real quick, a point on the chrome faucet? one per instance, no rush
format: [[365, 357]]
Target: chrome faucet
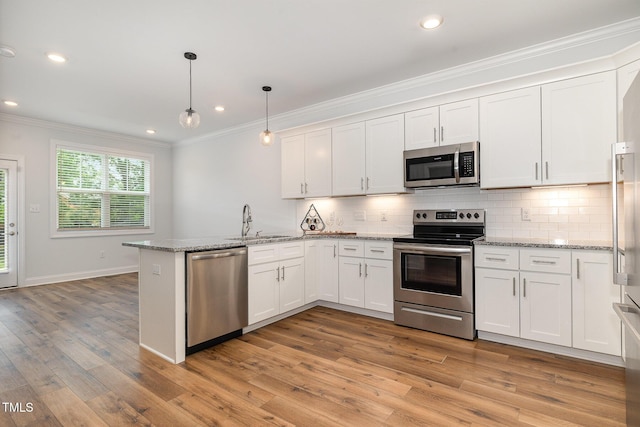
[[246, 220]]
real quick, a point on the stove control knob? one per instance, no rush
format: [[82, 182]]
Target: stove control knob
[[476, 215], [417, 215], [468, 216], [424, 215], [461, 215]]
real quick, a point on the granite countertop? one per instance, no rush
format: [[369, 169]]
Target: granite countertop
[[213, 243], [546, 243]]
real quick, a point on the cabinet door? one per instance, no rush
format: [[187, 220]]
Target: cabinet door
[[578, 126], [351, 281], [459, 122], [422, 128], [291, 284], [264, 291], [510, 135], [328, 271], [497, 301], [348, 159], [384, 160], [545, 307], [317, 164], [595, 325], [311, 270], [292, 168], [378, 285]]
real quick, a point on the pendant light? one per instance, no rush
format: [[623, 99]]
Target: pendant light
[[266, 136], [189, 118]]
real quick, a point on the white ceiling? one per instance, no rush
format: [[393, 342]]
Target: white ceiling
[[126, 70]]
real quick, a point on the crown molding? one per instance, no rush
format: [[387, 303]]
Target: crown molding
[[63, 127], [344, 106]]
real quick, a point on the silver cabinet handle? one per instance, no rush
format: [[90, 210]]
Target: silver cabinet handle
[[514, 286], [546, 169], [380, 251], [334, 251], [301, 188], [278, 274], [435, 139], [361, 183], [536, 171], [524, 288], [441, 133], [283, 272], [539, 261], [368, 180], [305, 188], [360, 270], [347, 248], [496, 259], [577, 268], [366, 269]]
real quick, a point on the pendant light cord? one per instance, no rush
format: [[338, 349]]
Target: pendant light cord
[[190, 61], [267, 108]]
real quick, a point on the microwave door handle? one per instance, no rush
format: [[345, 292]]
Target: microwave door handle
[[456, 165]]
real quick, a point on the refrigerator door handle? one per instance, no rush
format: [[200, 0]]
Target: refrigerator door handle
[[617, 149], [624, 311]]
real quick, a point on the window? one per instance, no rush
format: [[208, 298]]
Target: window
[[98, 190]]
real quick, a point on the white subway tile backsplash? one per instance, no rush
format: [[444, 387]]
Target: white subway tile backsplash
[[574, 212]]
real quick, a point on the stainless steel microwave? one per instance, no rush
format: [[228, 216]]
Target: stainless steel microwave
[[457, 164]]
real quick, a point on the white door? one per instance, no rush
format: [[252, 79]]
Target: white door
[[291, 284], [378, 285], [384, 164], [317, 164], [328, 271], [292, 169], [595, 325], [498, 301], [459, 122], [545, 307], [264, 291], [351, 281], [8, 223], [510, 139], [422, 128], [348, 159]]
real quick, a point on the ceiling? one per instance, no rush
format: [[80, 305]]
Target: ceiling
[[126, 71]]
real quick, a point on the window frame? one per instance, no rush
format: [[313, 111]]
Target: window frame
[[55, 232]]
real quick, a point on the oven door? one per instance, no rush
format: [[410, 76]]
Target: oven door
[[436, 276]]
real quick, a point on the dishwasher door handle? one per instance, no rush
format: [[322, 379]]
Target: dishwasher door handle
[[218, 255]]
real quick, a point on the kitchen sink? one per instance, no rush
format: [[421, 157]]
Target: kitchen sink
[[252, 238]]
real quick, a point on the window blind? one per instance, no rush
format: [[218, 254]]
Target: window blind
[[101, 190]]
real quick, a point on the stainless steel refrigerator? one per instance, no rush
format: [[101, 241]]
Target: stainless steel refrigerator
[[626, 219]]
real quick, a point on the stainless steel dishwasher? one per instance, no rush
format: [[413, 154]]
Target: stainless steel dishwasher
[[217, 297]]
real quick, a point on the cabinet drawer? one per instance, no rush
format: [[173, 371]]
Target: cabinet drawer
[[351, 248], [501, 257], [378, 249], [293, 249], [546, 260], [258, 254]]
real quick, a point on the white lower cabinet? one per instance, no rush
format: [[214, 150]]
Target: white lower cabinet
[[321, 270], [276, 279], [595, 325], [498, 301], [366, 274]]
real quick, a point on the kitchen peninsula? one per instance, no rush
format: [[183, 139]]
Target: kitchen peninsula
[[162, 280]]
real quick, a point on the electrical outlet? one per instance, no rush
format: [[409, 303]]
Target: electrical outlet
[[526, 214], [102, 254], [332, 216], [156, 269], [34, 208], [360, 215], [383, 216]]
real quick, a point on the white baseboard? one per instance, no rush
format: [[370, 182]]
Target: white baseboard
[[552, 348], [67, 277]]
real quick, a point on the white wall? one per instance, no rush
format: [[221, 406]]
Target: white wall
[[47, 260], [567, 213], [214, 178]]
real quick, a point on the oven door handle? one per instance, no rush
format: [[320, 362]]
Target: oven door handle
[[413, 249]]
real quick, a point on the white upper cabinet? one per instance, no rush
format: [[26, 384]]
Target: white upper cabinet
[[367, 157], [384, 160], [510, 135], [446, 124], [306, 165], [626, 75], [348, 159], [578, 127]]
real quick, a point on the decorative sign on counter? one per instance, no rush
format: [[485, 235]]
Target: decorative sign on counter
[[312, 221]]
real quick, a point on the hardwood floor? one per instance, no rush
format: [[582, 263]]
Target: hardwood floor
[[69, 356]]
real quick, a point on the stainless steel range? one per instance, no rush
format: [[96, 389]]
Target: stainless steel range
[[433, 285]]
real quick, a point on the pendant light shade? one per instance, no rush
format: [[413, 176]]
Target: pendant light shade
[[189, 118], [266, 136]]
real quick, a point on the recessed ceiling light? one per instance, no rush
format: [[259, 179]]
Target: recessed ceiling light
[[7, 51], [219, 108], [151, 131], [10, 103], [432, 21], [56, 57]]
